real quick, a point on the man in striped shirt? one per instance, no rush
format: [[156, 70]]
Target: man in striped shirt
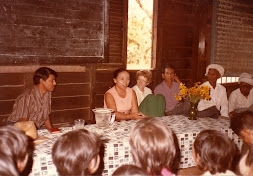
[[34, 104]]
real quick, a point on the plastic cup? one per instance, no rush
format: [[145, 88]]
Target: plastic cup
[[79, 124]]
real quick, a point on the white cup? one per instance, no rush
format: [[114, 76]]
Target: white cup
[[79, 124]]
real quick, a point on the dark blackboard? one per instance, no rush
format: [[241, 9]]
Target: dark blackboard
[[53, 32], [233, 36]]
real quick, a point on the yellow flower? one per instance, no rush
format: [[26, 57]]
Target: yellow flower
[[178, 98], [194, 93]]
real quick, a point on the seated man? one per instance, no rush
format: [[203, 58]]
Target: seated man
[[218, 104], [35, 103], [169, 88], [241, 99]]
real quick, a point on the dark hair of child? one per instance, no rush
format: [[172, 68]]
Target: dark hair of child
[[14, 144], [74, 152], [7, 165], [213, 151], [242, 121], [127, 170]]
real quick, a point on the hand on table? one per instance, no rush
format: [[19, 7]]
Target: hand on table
[[138, 115], [223, 117]]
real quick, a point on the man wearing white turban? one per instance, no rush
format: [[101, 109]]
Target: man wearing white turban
[[241, 99], [218, 104]]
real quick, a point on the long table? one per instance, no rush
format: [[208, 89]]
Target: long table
[[117, 149]]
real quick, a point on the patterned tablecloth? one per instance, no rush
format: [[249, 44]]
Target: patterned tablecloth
[[117, 148]]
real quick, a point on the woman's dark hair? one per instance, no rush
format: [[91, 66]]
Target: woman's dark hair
[[242, 121], [42, 73], [214, 151], [73, 152], [127, 170], [118, 71]]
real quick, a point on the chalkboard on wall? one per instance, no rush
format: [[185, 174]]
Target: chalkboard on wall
[[53, 32], [233, 36]]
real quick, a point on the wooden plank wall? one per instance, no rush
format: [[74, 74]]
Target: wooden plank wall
[[11, 85], [179, 36], [103, 73], [70, 100], [53, 32], [78, 92]]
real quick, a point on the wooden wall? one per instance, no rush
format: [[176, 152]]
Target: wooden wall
[[181, 25], [184, 29], [53, 32], [76, 93], [70, 100]]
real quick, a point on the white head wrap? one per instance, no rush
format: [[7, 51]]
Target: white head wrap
[[219, 68], [247, 78]]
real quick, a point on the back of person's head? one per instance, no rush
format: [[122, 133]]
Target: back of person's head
[[127, 170], [152, 145], [146, 73], [76, 153], [42, 73], [118, 71], [14, 143], [8, 166], [242, 121], [167, 65], [213, 151]]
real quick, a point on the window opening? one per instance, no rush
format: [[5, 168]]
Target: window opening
[[139, 37], [227, 80]]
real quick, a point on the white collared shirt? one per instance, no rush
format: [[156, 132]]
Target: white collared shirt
[[140, 95], [237, 100], [218, 99]]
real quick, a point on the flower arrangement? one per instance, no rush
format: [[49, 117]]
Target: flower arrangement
[[194, 93]]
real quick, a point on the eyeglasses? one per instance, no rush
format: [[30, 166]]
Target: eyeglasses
[[141, 80]]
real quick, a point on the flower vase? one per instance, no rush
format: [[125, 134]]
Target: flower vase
[[193, 111]]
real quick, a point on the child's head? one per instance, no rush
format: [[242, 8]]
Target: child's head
[[213, 151], [242, 125], [152, 145], [76, 153], [127, 170], [14, 144], [143, 78]]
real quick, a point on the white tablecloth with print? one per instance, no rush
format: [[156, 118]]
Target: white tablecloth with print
[[117, 148]]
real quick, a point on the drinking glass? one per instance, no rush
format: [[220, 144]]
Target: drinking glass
[[79, 124]]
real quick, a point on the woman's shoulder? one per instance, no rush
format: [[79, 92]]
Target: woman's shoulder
[[148, 90], [111, 90], [135, 87]]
